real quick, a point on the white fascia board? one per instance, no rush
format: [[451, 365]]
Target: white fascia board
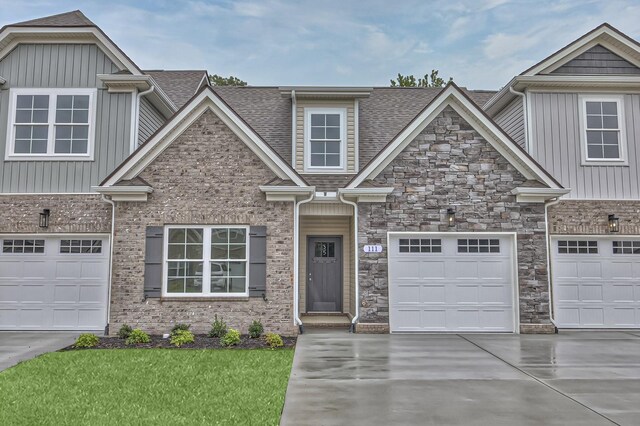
[[207, 100], [286, 193], [469, 112], [125, 193], [124, 83], [56, 35], [537, 195], [367, 195]]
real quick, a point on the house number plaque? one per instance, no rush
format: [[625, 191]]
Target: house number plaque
[[373, 248]]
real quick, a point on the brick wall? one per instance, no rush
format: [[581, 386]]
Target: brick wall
[[449, 164], [574, 217], [207, 176]]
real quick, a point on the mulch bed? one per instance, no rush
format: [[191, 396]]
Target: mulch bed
[[201, 342]]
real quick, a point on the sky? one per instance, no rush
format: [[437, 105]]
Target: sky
[[482, 44]]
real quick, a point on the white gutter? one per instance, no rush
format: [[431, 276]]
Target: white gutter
[[356, 315], [523, 95], [293, 128], [134, 139], [548, 238], [296, 259], [110, 274]]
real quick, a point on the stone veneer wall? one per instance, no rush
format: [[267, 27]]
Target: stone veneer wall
[[574, 217], [449, 164], [70, 213], [206, 176]]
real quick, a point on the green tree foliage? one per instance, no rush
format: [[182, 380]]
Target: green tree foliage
[[429, 80], [218, 80]]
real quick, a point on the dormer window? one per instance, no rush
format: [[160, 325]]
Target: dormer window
[[325, 139], [603, 130]]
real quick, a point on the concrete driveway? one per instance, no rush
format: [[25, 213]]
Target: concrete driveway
[[16, 346], [574, 378]]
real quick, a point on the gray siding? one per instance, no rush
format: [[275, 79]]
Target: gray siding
[[150, 120], [511, 119], [65, 66], [597, 60], [555, 143]]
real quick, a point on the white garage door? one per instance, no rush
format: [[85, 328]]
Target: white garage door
[[596, 282], [53, 283], [451, 283]]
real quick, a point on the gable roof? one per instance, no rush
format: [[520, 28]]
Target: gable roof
[[456, 98], [597, 60], [74, 18], [206, 99], [179, 85]]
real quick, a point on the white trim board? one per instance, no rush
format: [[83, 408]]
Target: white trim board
[[207, 100]]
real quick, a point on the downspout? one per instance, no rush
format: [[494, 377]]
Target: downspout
[[296, 258], [546, 224], [110, 274], [356, 315], [134, 139], [523, 95]]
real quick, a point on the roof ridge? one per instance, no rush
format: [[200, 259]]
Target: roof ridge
[[74, 18]]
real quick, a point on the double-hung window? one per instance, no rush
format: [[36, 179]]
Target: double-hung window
[[603, 132], [206, 261], [325, 139], [51, 124]]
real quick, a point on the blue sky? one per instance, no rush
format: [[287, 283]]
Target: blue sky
[[480, 43]]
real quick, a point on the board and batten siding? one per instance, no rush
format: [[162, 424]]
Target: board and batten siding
[[301, 104], [64, 66], [511, 119], [556, 145], [150, 120], [597, 60]]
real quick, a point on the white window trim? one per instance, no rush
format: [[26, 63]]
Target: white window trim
[[307, 140], [619, 100], [53, 96], [206, 259]]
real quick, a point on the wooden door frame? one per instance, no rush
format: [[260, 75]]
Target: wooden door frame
[[341, 261]]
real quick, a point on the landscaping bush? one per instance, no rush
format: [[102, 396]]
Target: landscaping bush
[[255, 329], [124, 331], [86, 340], [184, 327], [137, 336], [274, 340], [180, 336], [218, 328], [232, 338]]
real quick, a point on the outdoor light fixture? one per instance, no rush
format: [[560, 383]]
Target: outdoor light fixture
[[451, 217], [44, 218], [614, 223]]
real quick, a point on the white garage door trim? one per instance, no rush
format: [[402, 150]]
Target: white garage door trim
[[56, 238], [514, 271], [605, 251]]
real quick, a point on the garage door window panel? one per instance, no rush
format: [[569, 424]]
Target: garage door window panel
[[420, 245], [23, 246], [80, 246], [479, 245], [577, 247], [626, 247]]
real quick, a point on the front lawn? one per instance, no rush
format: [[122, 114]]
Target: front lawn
[[147, 386]]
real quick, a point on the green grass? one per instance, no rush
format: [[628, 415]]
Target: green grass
[[147, 386]]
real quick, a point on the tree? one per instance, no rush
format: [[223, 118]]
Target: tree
[[218, 80], [429, 80]]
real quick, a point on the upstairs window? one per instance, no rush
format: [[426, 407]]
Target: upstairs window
[[324, 139], [50, 124], [603, 130]]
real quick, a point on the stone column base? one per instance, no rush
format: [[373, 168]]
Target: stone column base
[[538, 329], [372, 328]]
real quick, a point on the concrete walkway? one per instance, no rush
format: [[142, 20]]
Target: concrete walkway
[[16, 346], [574, 378]]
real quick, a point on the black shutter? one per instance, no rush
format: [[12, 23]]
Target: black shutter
[[153, 261], [258, 261]]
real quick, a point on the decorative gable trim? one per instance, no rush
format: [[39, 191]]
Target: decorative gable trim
[[452, 96], [205, 100]]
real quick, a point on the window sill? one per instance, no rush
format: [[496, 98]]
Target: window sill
[[599, 163], [205, 299], [47, 158]]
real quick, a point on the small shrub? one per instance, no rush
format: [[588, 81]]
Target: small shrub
[[180, 336], [86, 340], [255, 329], [124, 331], [179, 326], [137, 336], [218, 328], [273, 340], [232, 338]]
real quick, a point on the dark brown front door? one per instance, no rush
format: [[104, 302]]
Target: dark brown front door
[[324, 274]]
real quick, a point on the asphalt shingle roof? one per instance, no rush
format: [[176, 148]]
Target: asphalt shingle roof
[[179, 85], [67, 19]]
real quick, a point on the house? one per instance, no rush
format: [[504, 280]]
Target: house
[[150, 197]]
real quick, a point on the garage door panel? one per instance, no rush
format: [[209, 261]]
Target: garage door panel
[[432, 270], [432, 294], [494, 294], [590, 270], [591, 293], [492, 270], [623, 317], [68, 270], [93, 270], [10, 269], [566, 269], [622, 293], [567, 293], [466, 294], [621, 270], [31, 318], [467, 269]]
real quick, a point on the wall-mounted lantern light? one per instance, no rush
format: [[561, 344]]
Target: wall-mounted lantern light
[[44, 218], [451, 217], [614, 223]]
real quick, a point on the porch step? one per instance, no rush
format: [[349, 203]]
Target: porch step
[[326, 320]]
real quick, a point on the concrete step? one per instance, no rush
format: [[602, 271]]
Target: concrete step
[[324, 320]]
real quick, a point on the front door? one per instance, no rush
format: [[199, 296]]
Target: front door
[[324, 274]]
